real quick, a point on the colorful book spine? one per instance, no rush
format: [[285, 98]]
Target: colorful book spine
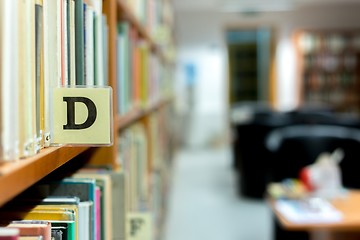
[[9, 233]]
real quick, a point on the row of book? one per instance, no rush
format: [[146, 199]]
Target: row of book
[[155, 15], [142, 78], [97, 203], [100, 203], [144, 153], [318, 81], [333, 42], [85, 205], [45, 44], [330, 62]]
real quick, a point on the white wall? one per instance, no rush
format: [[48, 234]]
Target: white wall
[[200, 38]]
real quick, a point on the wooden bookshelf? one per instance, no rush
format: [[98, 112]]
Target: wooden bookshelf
[[17, 176], [328, 68]]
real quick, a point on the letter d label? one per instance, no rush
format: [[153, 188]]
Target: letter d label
[[82, 116]]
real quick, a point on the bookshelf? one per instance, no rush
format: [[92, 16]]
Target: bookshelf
[[19, 175], [15, 177], [329, 68]]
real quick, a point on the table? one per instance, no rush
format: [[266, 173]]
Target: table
[[347, 229]]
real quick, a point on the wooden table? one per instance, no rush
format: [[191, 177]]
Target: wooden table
[[347, 229]]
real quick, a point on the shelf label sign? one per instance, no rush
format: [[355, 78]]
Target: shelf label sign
[[139, 226], [82, 116]]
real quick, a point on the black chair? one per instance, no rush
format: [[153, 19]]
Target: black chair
[[242, 115], [295, 147], [252, 153]]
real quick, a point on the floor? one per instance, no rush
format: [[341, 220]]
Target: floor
[[204, 204]]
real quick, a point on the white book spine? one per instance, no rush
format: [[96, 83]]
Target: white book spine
[[99, 68], [9, 81], [65, 42], [72, 44], [89, 48]]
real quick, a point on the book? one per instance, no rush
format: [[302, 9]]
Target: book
[[89, 45], [302, 211], [39, 76], [52, 60], [105, 50], [79, 41], [9, 92], [144, 74], [135, 68], [56, 203], [98, 44], [64, 43], [26, 100], [84, 189], [114, 196], [58, 218], [85, 224], [123, 68], [104, 183], [32, 228], [70, 204], [31, 90], [9, 233], [30, 238], [98, 213], [72, 43]]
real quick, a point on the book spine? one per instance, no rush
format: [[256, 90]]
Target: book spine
[[98, 44], [38, 73], [9, 81], [72, 41], [79, 41], [89, 46]]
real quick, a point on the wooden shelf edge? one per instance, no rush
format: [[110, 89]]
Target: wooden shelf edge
[[17, 176], [139, 113]]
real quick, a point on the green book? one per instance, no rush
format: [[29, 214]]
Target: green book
[[79, 41], [63, 230], [38, 72]]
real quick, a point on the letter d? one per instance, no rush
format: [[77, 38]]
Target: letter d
[[92, 113]]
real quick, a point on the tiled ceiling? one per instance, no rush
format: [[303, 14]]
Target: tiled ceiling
[[250, 5]]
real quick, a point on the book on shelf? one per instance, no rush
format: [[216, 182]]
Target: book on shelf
[[53, 204], [135, 166], [32, 228], [31, 238], [26, 78], [9, 233], [123, 68], [89, 44], [79, 42], [98, 213], [42, 49], [99, 49], [113, 195], [39, 76], [103, 182], [63, 219], [84, 189], [8, 87]]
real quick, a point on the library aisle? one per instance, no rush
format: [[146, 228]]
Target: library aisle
[[203, 203]]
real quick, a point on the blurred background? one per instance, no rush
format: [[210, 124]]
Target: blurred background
[[246, 71]]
